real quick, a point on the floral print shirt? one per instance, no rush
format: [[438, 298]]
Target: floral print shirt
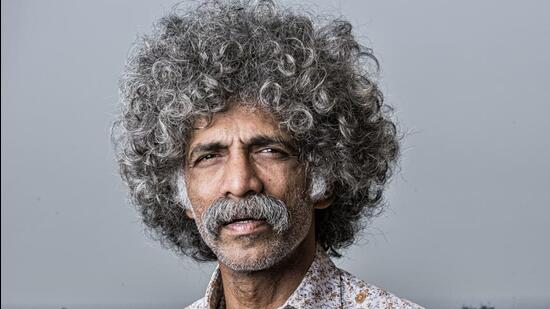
[[323, 286]]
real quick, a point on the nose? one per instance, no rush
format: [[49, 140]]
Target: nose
[[240, 178]]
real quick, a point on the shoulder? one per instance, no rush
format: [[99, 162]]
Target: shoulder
[[199, 304], [356, 293]]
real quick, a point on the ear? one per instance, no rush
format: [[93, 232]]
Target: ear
[[324, 202], [189, 213]]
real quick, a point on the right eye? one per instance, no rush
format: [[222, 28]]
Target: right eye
[[205, 160], [206, 157]]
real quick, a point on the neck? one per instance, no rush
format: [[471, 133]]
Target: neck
[[268, 288]]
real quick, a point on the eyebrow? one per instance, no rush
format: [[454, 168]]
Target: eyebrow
[[255, 141]]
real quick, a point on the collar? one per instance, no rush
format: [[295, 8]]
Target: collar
[[321, 285]]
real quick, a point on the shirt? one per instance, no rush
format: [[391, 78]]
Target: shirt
[[323, 286]]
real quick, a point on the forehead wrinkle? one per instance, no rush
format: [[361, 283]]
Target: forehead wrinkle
[[254, 140], [224, 128]]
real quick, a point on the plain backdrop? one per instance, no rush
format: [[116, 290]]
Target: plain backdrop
[[468, 214]]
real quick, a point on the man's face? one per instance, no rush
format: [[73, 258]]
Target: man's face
[[243, 153]]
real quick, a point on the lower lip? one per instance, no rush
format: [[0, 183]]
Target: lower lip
[[245, 227]]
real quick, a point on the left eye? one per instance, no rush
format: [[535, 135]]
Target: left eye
[[270, 150], [274, 152]]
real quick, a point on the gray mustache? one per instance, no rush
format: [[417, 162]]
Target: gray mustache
[[257, 207]]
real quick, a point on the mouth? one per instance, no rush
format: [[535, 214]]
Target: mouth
[[241, 220], [245, 226]]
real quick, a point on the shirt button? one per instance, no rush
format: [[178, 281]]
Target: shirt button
[[360, 297]]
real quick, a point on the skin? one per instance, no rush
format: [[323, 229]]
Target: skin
[[243, 151]]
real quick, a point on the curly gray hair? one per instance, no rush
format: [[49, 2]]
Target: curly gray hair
[[316, 78]]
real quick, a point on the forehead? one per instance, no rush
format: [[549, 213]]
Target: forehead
[[237, 122]]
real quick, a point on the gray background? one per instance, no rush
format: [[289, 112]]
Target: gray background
[[468, 217]]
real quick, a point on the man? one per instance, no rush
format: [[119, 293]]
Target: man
[[254, 137]]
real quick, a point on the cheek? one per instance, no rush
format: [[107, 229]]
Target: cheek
[[203, 184], [279, 181], [288, 184], [199, 197]]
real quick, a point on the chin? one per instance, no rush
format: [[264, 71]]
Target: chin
[[263, 255], [259, 251]]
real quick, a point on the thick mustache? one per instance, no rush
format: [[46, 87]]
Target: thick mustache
[[255, 207]]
